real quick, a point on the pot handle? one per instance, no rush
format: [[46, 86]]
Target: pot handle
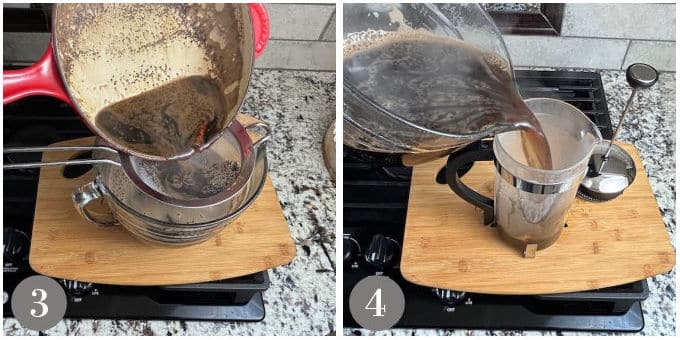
[[260, 21], [41, 78], [263, 138], [83, 196], [458, 164]]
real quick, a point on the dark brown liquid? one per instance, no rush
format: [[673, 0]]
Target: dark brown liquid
[[445, 85], [167, 120]]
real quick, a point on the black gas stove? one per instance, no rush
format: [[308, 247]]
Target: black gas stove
[[376, 190], [37, 121]]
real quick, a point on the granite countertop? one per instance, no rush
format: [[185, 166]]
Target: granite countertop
[[650, 126], [299, 106]]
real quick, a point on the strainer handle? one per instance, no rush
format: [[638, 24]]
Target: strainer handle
[[35, 149], [83, 196], [264, 138]]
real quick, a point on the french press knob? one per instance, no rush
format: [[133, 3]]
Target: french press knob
[[611, 169]]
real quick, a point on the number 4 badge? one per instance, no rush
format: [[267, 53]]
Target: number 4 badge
[[376, 303]]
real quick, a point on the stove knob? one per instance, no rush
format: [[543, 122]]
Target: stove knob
[[15, 246], [76, 288], [383, 252], [351, 250], [450, 297]]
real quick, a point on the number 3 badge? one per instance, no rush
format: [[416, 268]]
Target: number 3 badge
[[38, 303]]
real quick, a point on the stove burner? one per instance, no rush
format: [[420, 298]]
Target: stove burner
[[365, 157], [33, 135], [37, 135], [403, 174], [75, 171]]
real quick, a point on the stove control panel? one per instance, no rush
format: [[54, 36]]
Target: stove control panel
[[374, 253]]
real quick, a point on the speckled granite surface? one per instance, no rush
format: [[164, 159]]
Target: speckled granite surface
[[650, 126], [508, 7], [301, 299]]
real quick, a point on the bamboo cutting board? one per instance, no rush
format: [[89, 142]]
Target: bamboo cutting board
[[605, 244], [64, 245]]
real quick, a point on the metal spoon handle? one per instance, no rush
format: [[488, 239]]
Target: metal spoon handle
[[638, 76], [605, 156]]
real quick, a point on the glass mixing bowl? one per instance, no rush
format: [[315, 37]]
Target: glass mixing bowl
[[173, 218]]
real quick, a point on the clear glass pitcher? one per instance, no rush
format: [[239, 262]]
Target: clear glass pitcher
[[415, 113], [530, 205]]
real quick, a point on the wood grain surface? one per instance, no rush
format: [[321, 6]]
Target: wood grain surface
[[605, 244], [65, 246]]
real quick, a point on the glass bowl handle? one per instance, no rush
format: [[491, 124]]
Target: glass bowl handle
[[83, 196], [263, 137]]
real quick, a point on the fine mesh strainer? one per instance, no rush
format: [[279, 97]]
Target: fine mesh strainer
[[154, 221], [189, 191], [207, 178], [196, 190], [161, 208]]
